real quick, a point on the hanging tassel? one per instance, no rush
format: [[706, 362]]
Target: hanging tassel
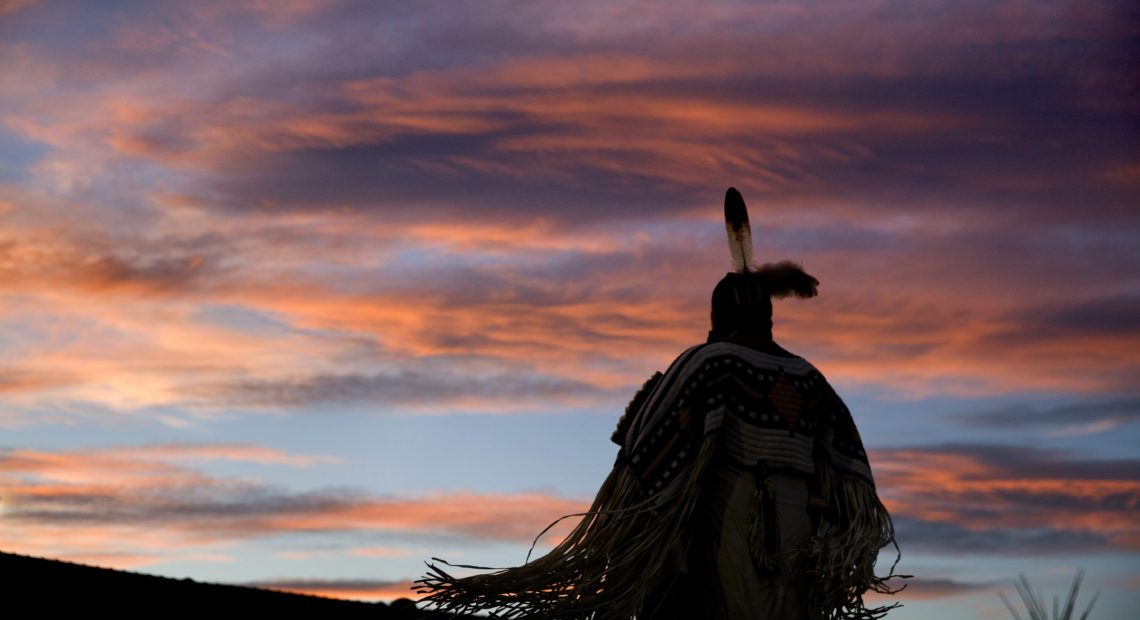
[[764, 523]]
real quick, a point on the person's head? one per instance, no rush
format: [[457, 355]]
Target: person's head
[[742, 302], [741, 306]]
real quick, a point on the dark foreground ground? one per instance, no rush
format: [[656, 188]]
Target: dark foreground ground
[[52, 588]]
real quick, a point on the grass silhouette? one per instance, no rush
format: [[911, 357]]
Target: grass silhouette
[[1035, 606]]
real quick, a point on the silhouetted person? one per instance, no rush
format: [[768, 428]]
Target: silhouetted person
[[741, 489]]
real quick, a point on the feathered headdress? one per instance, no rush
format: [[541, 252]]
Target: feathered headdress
[[742, 300]]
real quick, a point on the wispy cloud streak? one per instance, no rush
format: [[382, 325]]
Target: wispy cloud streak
[[1078, 418], [995, 498], [945, 499], [135, 505]]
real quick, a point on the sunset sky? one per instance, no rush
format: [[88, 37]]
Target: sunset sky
[[301, 294]]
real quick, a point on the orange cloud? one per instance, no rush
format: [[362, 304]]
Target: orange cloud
[[516, 517], [156, 343], [11, 6], [990, 488], [231, 452]]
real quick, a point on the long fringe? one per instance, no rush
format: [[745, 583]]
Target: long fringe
[[846, 546], [620, 550], [604, 568]]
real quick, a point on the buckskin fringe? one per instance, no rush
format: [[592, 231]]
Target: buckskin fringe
[[605, 568], [845, 548]]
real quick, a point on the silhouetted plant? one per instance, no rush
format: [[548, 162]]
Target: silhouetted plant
[[1035, 607]]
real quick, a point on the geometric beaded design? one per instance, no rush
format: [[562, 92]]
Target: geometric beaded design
[[786, 402]]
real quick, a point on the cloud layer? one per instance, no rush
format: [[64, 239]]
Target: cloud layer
[[1009, 499], [137, 505], [130, 506], [205, 200]]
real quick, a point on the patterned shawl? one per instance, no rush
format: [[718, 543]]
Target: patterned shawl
[[774, 412]]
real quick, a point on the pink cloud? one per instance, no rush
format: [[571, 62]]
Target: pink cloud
[[988, 488], [11, 6], [380, 552], [154, 347]]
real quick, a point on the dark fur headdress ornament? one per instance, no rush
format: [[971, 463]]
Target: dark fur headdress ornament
[[742, 300]]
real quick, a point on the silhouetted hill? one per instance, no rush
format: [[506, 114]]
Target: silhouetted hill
[[56, 587]]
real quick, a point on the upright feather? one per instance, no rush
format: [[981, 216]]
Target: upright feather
[[739, 231]]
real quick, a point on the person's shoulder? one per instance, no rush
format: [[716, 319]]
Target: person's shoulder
[[771, 350], [767, 356], [688, 357]]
